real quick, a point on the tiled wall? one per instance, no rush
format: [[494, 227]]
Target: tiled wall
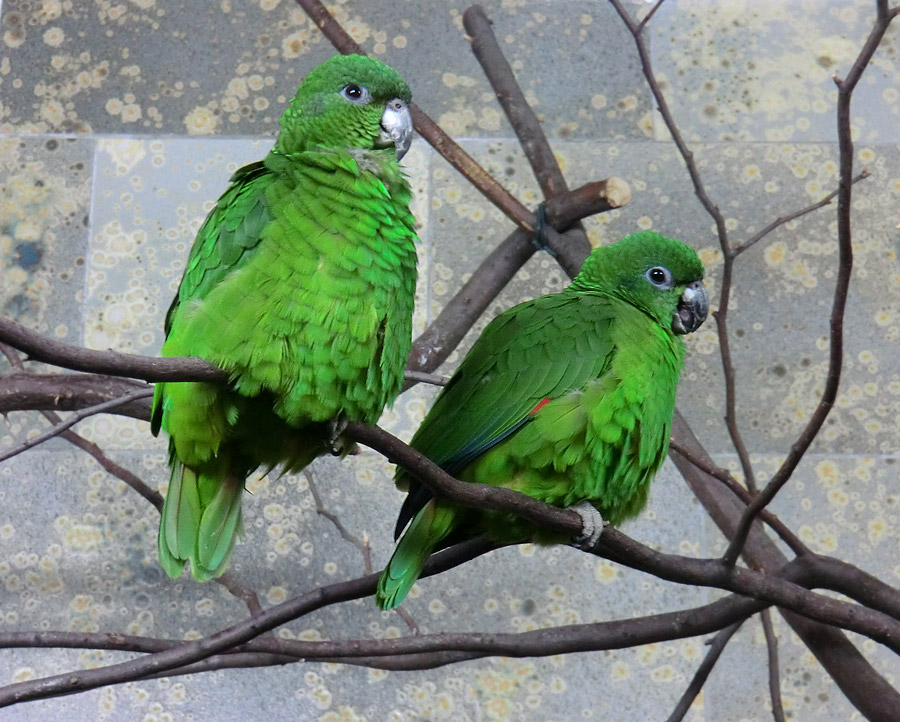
[[102, 189]]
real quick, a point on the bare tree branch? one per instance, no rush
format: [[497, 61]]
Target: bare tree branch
[[73, 419], [864, 686], [190, 652], [842, 285], [781, 220], [774, 675]]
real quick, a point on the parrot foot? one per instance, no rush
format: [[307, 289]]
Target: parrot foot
[[592, 526], [336, 444], [539, 239]]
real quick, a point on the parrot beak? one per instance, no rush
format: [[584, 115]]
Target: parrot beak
[[693, 306], [396, 127]]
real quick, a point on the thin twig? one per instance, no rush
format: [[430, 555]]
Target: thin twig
[[347, 535], [361, 544], [774, 675], [842, 285], [781, 220], [73, 419], [715, 213], [716, 647], [706, 465], [649, 15], [110, 466]]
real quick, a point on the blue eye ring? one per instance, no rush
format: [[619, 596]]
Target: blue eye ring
[[660, 277], [356, 94]]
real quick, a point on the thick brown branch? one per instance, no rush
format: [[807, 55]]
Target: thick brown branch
[[68, 392], [774, 675], [57, 353], [522, 118]]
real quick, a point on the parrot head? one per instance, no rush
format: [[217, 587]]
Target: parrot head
[[349, 101], [661, 276]]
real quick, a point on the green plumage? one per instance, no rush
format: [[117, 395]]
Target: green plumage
[[300, 284], [567, 398]]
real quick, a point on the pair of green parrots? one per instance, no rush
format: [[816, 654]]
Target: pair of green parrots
[[300, 285]]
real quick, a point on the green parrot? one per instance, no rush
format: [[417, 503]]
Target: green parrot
[[567, 398], [300, 284]]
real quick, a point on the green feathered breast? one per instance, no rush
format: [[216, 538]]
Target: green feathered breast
[[301, 285], [567, 398]]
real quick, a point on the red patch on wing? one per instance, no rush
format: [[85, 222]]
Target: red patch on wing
[[540, 405]]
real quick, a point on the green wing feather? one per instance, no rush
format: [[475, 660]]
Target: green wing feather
[[232, 229], [540, 349], [567, 398]]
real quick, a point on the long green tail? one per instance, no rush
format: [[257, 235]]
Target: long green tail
[[424, 533], [201, 520]]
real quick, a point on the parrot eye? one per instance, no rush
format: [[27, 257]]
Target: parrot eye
[[660, 277], [356, 94]]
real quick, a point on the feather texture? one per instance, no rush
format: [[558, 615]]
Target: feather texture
[[567, 398], [300, 284]]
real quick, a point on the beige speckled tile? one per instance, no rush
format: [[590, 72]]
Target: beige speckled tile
[[762, 71], [138, 68], [44, 214]]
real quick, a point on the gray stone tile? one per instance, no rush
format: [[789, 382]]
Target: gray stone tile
[[44, 214], [132, 68], [44, 210], [763, 71]]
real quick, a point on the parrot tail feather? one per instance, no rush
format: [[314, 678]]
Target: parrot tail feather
[[201, 520], [427, 529], [220, 527]]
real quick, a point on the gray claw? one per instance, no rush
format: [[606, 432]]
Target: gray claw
[[336, 445], [591, 526]]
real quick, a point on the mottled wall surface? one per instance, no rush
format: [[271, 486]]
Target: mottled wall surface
[[102, 190]]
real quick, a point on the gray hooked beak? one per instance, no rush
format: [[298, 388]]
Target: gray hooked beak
[[396, 127], [693, 306]]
